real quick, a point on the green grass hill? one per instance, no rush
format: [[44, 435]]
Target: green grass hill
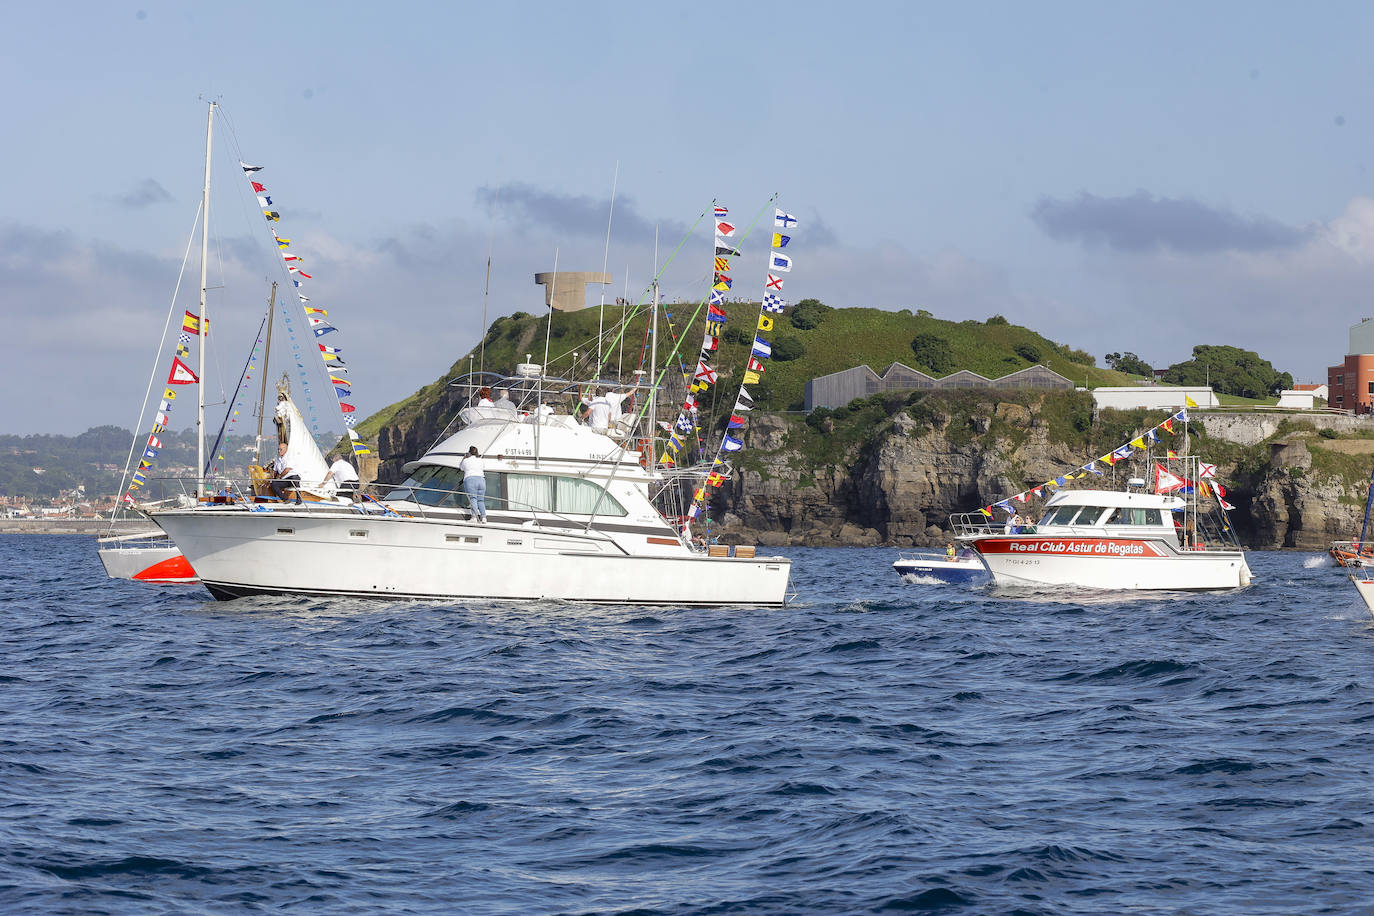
[[811, 340]]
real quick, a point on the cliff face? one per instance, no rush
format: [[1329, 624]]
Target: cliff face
[[897, 489], [900, 488], [895, 480], [1293, 507]]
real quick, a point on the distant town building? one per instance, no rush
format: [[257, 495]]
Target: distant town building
[[1298, 399], [1154, 397], [1318, 391], [839, 388], [1351, 384]]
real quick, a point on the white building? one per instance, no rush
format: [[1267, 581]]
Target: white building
[[1154, 397]]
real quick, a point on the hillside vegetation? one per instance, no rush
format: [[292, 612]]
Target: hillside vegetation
[[819, 340]]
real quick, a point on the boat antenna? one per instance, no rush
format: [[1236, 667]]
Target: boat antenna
[[266, 363], [203, 315], [486, 289], [605, 256], [548, 330]]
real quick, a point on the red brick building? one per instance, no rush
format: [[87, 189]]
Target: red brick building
[[1350, 386]]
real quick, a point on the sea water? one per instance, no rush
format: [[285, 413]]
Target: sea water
[[876, 746]]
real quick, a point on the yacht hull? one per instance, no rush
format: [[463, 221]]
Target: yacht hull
[[1109, 563], [239, 553]]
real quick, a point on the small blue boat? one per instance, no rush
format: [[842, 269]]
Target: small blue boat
[[964, 568]]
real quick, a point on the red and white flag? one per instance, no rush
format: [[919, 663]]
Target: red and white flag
[[1206, 470], [181, 374], [1166, 482]]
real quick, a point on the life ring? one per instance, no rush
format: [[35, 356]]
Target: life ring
[[644, 452]]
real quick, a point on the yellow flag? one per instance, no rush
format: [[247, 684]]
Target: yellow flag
[[751, 377], [169, 394], [722, 264], [1189, 401], [765, 323], [1138, 442]]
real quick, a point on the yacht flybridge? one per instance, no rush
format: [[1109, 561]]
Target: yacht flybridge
[[571, 515]]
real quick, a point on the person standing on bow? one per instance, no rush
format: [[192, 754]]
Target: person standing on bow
[[475, 483]]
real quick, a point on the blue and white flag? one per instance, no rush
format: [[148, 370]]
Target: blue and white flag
[[731, 444], [783, 220], [779, 262], [762, 348], [717, 297], [772, 303]]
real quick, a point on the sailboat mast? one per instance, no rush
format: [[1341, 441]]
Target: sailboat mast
[[266, 363], [203, 317], [653, 380]]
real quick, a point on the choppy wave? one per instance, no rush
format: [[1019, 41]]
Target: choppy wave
[[876, 747]]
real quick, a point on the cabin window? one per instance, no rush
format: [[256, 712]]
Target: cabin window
[[430, 486], [575, 496], [1060, 515], [564, 495], [529, 492], [1134, 516], [1087, 515]]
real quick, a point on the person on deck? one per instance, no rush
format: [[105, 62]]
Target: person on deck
[[345, 478], [484, 397], [503, 399], [605, 409], [283, 478], [475, 483]]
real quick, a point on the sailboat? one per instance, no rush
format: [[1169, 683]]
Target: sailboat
[[154, 556]]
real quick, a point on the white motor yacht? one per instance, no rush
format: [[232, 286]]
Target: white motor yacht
[[1112, 540], [570, 516]]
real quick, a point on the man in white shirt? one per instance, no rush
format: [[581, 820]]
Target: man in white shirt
[[604, 409], [475, 483], [344, 476], [283, 478]]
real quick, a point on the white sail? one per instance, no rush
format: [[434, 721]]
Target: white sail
[[303, 456]]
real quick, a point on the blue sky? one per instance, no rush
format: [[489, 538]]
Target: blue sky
[[1118, 178]]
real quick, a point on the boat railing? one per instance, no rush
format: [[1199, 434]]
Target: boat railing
[[972, 524]]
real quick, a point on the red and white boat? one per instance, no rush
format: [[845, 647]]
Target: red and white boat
[[1111, 540], [145, 556]]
